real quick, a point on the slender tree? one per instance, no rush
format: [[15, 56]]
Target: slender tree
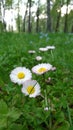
[[24, 19], [18, 17], [72, 29], [49, 28], [58, 16], [37, 15], [66, 17], [58, 21], [9, 5], [0, 18], [29, 19], [0, 12], [2, 2]]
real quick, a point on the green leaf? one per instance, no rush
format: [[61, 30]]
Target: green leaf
[[14, 114], [39, 128], [64, 126], [60, 117], [3, 123], [15, 127], [1, 82], [71, 128], [3, 114], [3, 107]]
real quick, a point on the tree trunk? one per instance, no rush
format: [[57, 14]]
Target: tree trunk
[[2, 16], [66, 19], [58, 22], [18, 18], [37, 22], [49, 29], [72, 29], [25, 18], [0, 11], [19, 23], [65, 24], [29, 19]]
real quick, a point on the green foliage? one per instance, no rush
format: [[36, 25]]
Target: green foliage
[[7, 115], [2, 27], [3, 108], [19, 23], [8, 2], [71, 128], [19, 112]]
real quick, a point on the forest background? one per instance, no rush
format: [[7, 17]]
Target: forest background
[[36, 15]]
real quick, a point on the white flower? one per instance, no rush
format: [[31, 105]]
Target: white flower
[[20, 75], [50, 47], [46, 109], [31, 52], [41, 68], [38, 58], [31, 88], [43, 49]]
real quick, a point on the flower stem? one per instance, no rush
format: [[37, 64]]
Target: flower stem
[[52, 54], [46, 102], [69, 115]]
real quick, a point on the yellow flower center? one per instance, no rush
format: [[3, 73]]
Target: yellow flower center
[[42, 70], [30, 89], [21, 75]]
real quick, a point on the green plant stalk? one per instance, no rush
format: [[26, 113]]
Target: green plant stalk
[[50, 117], [69, 115], [7, 123], [50, 121], [46, 104], [52, 54]]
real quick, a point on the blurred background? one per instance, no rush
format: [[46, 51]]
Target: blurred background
[[36, 16]]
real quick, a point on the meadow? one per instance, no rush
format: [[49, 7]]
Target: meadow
[[52, 109]]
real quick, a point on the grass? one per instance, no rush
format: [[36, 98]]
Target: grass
[[20, 112]]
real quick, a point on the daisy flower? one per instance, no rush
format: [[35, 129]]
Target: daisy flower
[[31, 88], [43, 49], [46, 109], [31, 52], [41, 68], [38, 58], [20, 75], [50, 47]]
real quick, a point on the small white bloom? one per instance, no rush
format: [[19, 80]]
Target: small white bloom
[[31, 52], [50, 47], [31, 88], [41, 68], [38, 58], [20, 75], [43, 49], [46, 109], [48, 80]]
